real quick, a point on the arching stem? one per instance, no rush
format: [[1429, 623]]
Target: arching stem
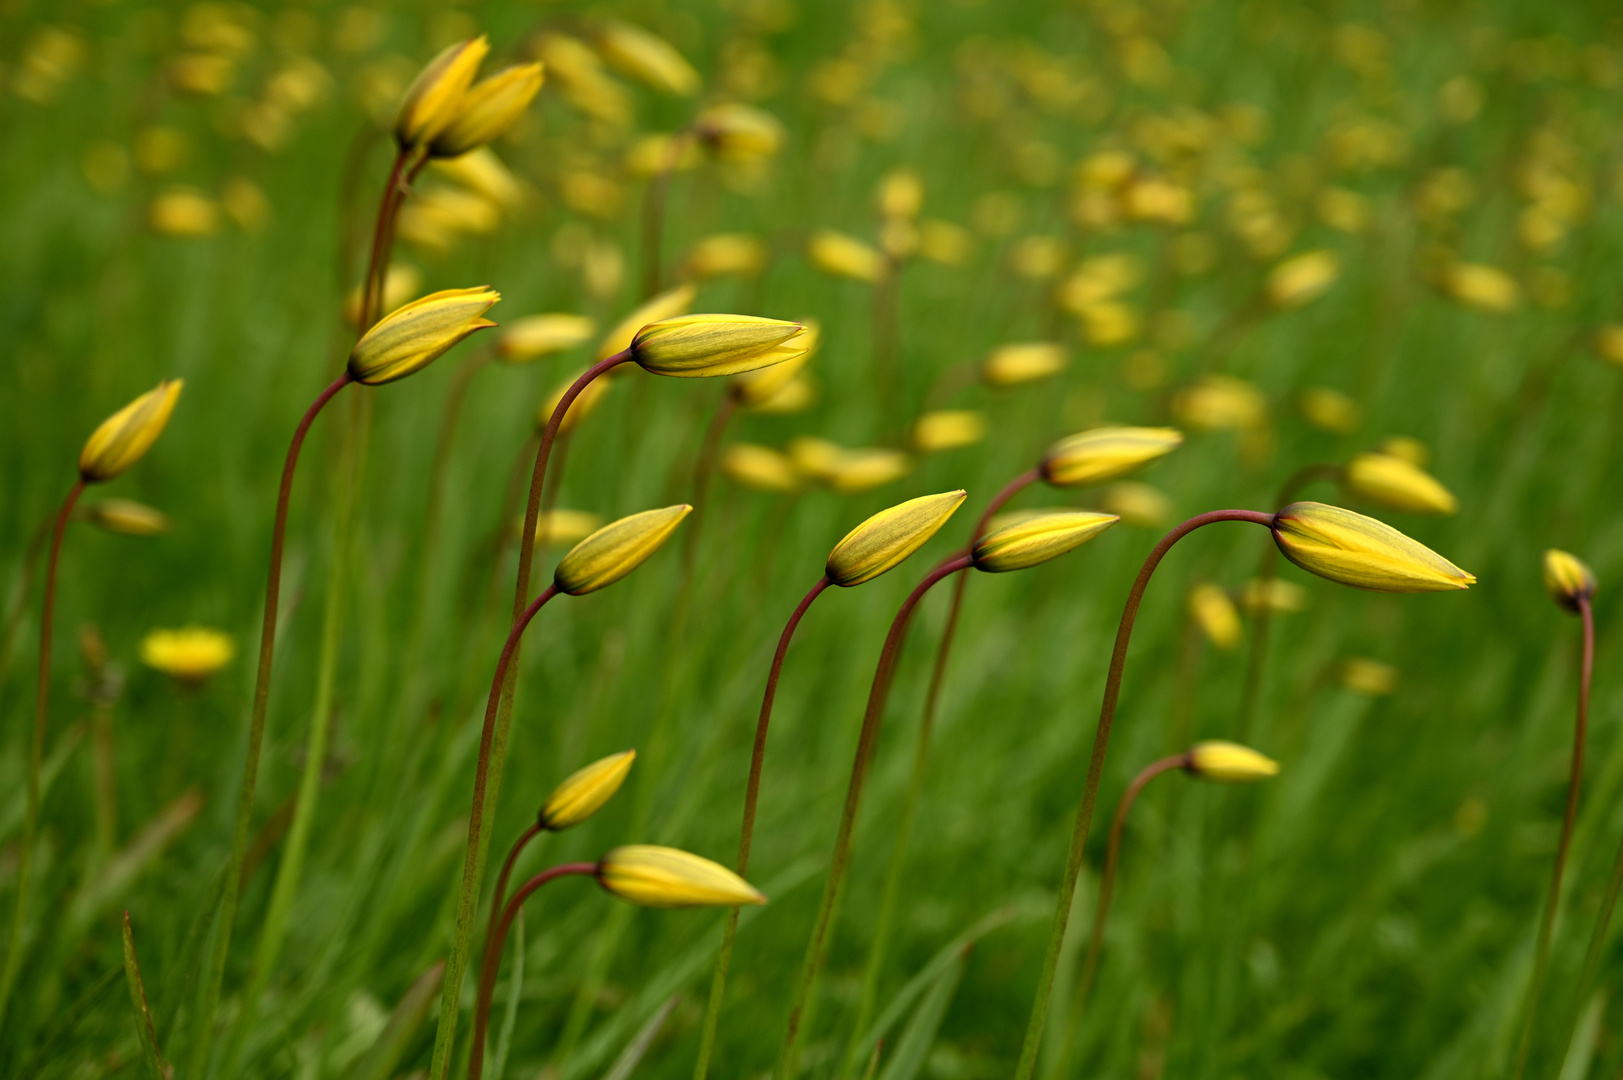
[[498, 897], [1096, 764]]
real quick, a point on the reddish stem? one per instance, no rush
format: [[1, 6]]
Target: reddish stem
[[382, 238], [507, 871]]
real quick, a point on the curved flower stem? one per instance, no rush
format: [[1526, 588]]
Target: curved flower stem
[[752, 790], [500, 893], [873, 717], [932, 701], [1541, 952], [215, 974], [486, 786], [1096, 764], [703, 468], [1107, 883], [493, 956], [1267, 569], [382, 240], [36, 749]]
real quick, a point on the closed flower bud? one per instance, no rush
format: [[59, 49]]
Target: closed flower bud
[[1567, 579], [648, 59], [1092, 457], [482, 172], [1486, 288], [815, 457], [795, 396], [410, 338], [615, 550], [1215, 614], [583, 406], [883, 541], [189, 655], [756, 388], [1272, 596], [705, 345], [663, 877], [583, 793], [127, 517], [123, 438], [1230, 763], [845, 256], [666, 305], [1406, 448], [1609, 343], [1301, 279], [556, 528], [900, 194], [948, 429], [760, 468], [535, 336], [1144, 505], [1036, 540], [723, 254], [1369, 677], [945, 243], [1220, 403], [867, 468], [1330, 410], [1011, 365], [432, 100], [487, 109], [1393, 482], [1359, 551], [738, 133]]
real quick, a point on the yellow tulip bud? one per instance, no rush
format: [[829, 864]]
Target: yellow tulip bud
[[796, 395], [615, 550], [1035, 540], [1407, 449], [432, 100], [585, 403], [885, 540], [1301, 279], [1486, 288], [1144, 505], [410, 338], [867, 468], [692, 346], [1215, 614], [1567, 579], [723, 254], [1369, 677], [123, 438], [945, 243], [486, 110], [901, 194], [1393, 482], [189, 655], [663, 877], [535, 336], [1330, 410], [666, 305], [760, 468], [738, 133], [648, 59], [555, 528], [756, 388], [845, 256], [1230, 763], [1609, 343], [184, 212], [815, 457], [1272, 595], [659, 154], [1092, 457], [584, 792], [1011, 365], [1356, 550], [127, 517], [948, 429]]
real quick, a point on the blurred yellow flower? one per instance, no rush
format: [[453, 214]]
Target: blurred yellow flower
[[1369, 677], [866, 468], [184, 212], [557, 527], [1220, 403], [1144, 505], [534, 336], [1230, 763], [649, 59], [739, 133], [1273, 596], [844, 255], [487, 110], [127, 517], [188, 655], [1567, 578], [948, 429], [663, 877], [760, 468], [1301, 279], [435, 96], [1023, 362], [126, 436], [721, 254], [1394, 482], [584, 792], [1214, 612], [666, 305], [1328, 409], [1486, 288]]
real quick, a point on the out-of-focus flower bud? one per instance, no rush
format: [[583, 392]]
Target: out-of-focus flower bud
[[1330, 410], [411, 337], [945, 243], [738, 133], [867, 468], [666, 305], [535, 336], [126, 436], [1609, 343], [1035, 540], [1301, 279], [1343, 546], [1567, 579], [663, 877], [900, 194], [1220, 403], [795, 396], [725, 253], [556, 528], [815, 457], [1230, 763], [1215, 614], [1144, 505], [760, 468], [844, 255], [184, 212], [1368, 677], [948, 429], [584, 792], [1011, 365], [883, 541], [1394, 482], [615, 550], [487, 110], [127, 517], [1092, 457], [188, 655], [649, 59], [1486, 288], [434, 97], [1273, 596]]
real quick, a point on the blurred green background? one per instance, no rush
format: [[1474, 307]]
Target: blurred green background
[[1369, 913]]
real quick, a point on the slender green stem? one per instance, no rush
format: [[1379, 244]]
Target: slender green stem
[[817, 948], [1107, 883], [19, 600], [493, 743], [36, 750], [1096, 764], [893, 875], [703, 468], [752, 790], [214, 976], [493, 956], [1546, 926]]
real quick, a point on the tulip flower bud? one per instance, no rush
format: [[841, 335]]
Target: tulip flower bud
[[1092, 457], [845, 256], [1609, 343], [1144, 505], [584, 792], [1394, 482], [650, 60], [666, 305], [1215, 614], [756, 388], [1301, 279], [948, 429], [697, 346], [615, 550], [486, 110], [1355, 550], [1485, 288], [795, 396], [1273, 596], [760, 468], [1230, 763], [1407, 448], [885, 540], [663, 877], [535, 336], [1011, 365], [725, 253], [901, 194], [1567, 579], [1369, 677], [410, 338], [189, 655], [738, 133], [434, 97], [1035, 540], [1330, 410], [1220, 403], [127, 517], [555, 528], [866, 468], [123, 438]]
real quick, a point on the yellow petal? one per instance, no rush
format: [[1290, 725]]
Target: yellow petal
[[487, 109], [432, 100], [617, 549], [666, 305], [663, 877], [1011, 365], [410, 338], [1035, 540], [1396, 483], [190, 654], [126, 436], [1356, 550], [584, 792], [883, 541]]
